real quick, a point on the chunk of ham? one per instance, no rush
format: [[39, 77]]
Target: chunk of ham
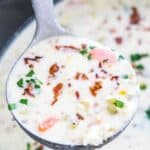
[[104, 55], [48, 123]]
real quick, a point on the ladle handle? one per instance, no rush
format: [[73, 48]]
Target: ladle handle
[[45, 19]]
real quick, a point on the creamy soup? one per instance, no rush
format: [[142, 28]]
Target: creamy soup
[[111, 22], [72, 91]]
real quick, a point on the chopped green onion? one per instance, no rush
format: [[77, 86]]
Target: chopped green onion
[[92, 47], [37, 86], [30, 73], [20, 83], [119, 104], [121, 57], [143, 86], [33, 80], [148, 113], [89, 57], [137, 56], [11, 106], [113, 49], [139, 67], [28, 146], [125, 76], [28, 81], [24, 101], [40, 82], [84, 52]]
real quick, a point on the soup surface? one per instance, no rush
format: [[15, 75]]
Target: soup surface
[[72, 91]]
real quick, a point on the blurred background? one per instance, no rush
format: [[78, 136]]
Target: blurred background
[[12, 14]]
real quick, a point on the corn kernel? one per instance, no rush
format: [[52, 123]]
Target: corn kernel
[[122, 92]]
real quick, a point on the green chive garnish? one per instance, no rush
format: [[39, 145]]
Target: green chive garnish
[[33, 80], [89, 57], [20, 83], [24, 101], [30, 73], [125, 76], [119, 104], [148, 113], [137, 57], [28, 146], [92, 47], [11, 106], [37, 86], [83, 52], [121, 57], [143, 86], [139, 67]]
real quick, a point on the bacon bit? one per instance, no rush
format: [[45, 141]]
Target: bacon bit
[[96, 105], [48, 83], [135, 16], [77, 94], [83, 46], [91, 70], [119, 18], [118, 40], [114, 78], [45, 125], [36, 59], [139, 41], [82, 76], [97, 76], [128, 28], [53, 69], [100, 65], [41, 147], [97, 86], [80, 117], [105, 21], [28, 90], [31, 66], [69, 84], [58, 47], [147, 29], [62, 66], [104, 71], [112, 30], [57, 91]]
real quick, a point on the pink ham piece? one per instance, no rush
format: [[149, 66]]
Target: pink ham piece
[[104, 55]]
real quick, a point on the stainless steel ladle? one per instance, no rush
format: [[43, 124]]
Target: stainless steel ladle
[[48, 27]]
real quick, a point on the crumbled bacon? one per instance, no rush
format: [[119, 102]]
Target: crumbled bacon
[[118, 40], [135, 16], [146, 28], [113, 30], [28, 59], [114, 78], [77, 94], [81, 76], [80, 117], [53, 69], [83, 46], [57, 91], [31, 66], [69, 84], [100, 65], [97, 86], [58, 47], [119, 18], [104, 71], [97, 76], [28, 90]]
